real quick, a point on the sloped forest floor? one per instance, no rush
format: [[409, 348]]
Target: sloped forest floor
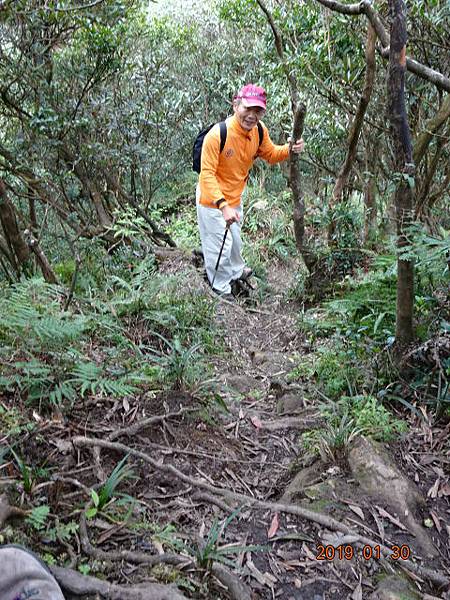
[[227, 504]]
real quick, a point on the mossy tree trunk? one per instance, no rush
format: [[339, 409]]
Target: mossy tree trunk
[[403, 167]]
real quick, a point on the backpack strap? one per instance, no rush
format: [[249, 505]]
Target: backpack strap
[[260, 133], [223, 134]]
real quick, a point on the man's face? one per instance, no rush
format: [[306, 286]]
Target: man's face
[[248, 117]]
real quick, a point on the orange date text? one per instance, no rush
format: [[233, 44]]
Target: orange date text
[[347, 552]]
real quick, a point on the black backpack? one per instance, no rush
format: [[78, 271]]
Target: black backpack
[[198, 144]]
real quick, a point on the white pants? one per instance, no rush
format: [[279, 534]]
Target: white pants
[[212, 230]]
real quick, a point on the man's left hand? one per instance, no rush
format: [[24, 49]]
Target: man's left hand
[[297, 146]]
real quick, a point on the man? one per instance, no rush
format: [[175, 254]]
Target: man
[[222, 180]]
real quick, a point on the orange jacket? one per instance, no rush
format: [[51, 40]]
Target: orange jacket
[[224, 174]]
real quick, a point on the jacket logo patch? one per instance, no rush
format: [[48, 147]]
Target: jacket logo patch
[[229, 153]]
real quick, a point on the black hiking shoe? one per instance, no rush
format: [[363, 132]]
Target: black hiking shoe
[[198, 259], [246, 273], [240, 288]]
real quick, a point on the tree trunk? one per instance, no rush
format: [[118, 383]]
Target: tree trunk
[[370, 214], [299, 111], [366, 7], [18, 248], [403, 167], [423, 190], [89, 187], [294, 179], [43, 262], [32, 210], [355, 129], [297, 192]]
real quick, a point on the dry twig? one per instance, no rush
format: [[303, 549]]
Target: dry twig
[[136, 427]]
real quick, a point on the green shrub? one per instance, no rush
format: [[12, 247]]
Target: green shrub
[[335, 371], [366, 309], [350, 416], [45, 351], [370, 416]]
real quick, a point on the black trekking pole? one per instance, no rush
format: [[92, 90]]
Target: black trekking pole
[[220, 254]]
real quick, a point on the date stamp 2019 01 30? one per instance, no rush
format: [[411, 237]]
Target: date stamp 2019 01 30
[[347, 552]]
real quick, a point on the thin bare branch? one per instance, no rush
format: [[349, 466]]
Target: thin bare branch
[[365, 7], [293, 88], [78, 7], [431, 127], [358, 121]]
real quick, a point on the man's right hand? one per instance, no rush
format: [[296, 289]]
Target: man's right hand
[[230, 215]]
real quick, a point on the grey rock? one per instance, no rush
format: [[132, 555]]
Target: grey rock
[[289, 403], [242, 384], [304, 478], [380, 479]]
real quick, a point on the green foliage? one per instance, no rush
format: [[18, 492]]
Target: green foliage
[[128, 224], [333, 440], [360, 327], [121, 472], [174, 208], [88, 377], [28, 474], [39, 382], [348, 417], [430, 254], [370, 416], [45, 351], [181, 367], [106, 494], [84, 568], [210, 550], [348, 217], [335, 370], [61, 532], [366, 308], [177, 311], [38, 517], [12, 422], [267, 230], [31, 310]]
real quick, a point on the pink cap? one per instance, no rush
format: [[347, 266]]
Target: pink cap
[[252, 95]]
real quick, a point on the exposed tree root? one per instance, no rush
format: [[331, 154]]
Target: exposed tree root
[[136, 427], [139, 558], [300, 423], [83, 585], [237, 589], [435, 577], [7, 511], [207, 498]]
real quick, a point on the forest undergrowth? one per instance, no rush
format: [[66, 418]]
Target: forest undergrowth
[[152, 433]]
